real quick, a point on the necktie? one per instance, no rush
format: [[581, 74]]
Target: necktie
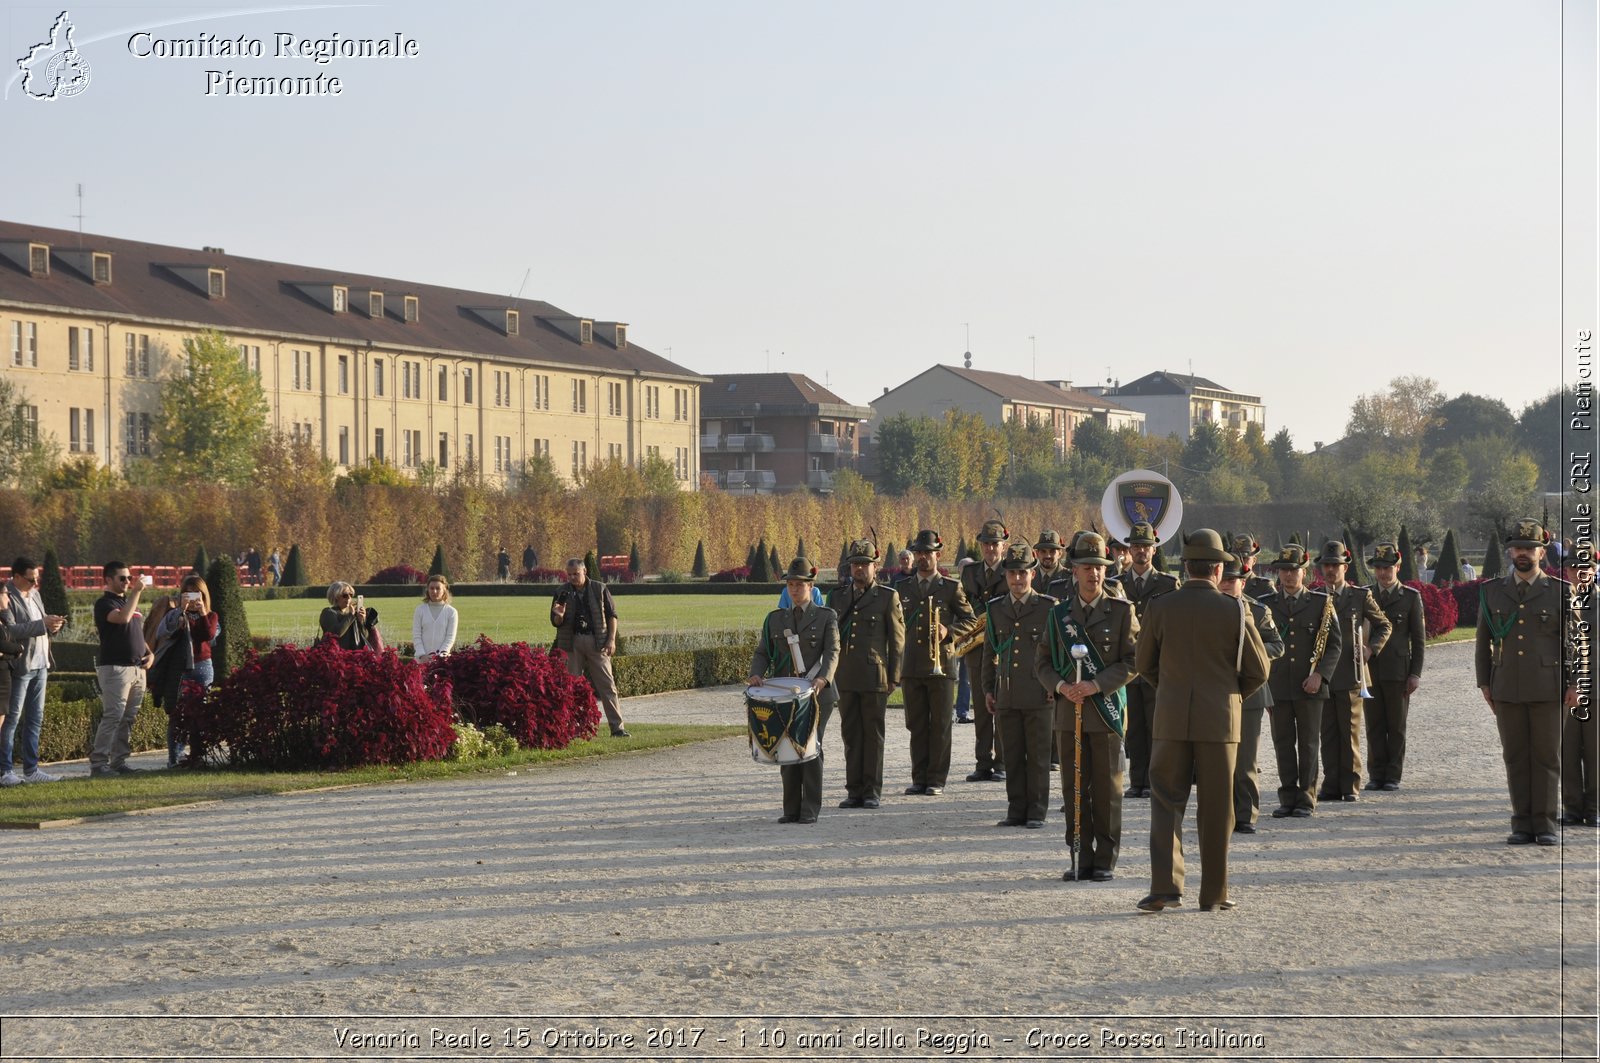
[[1522, 591], [924, 586], [799, 611]]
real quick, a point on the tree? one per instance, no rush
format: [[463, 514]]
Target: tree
[[53, 589], [26, 458], [1448, 568], [1467, 417], [633, 561], [1287, 462], [234, 641], [213, 416], [294, 568], [1408, 564], [700, 569], [1539, 428], [1399, 414], [1493, 556], [761, 569], [800, 548], [1500, 487], [374, 473], [592, 564], [1093, 439], [202, 561], [908, 453], [853, 489], [83, 473], [776, 563], [439, 568], [750, 557], [537, 479]]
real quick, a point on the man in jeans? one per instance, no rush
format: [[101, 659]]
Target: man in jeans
[[585, 619], [121, 668], [25, 620]]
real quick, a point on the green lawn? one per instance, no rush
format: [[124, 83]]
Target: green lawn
[[512, 619]]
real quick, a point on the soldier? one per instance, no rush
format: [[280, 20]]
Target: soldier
[[872, 635], [1396, 670], [1047, 552], [1119, 558], [1245, 548], [1341, 718], [1014, 625], [1529, 652], [927, 674], [1143, 585], [963, 672], [1246, 783], [818, 630], [982, 583], [1108, 628], [1580, 733], [1203, 655], [1299, 680]]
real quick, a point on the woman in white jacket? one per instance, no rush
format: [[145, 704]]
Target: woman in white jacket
[[433, 625]]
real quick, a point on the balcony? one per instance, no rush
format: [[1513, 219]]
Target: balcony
[[710, 442], [749, 479], [819, 480], [749, 443], [823, 444]]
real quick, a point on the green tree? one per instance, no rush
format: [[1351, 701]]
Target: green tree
[[750, 557], [1448, 568], [1399, 414], [234, 641], [1467, 417], [294, 568], [700, 569], [83, 473], [202, 561], [1501, 485], [1493, 557], [634, 565], [53, 588], [1539, 428], [537, 479], [853, 489], [1093, 439], [1408, 564], [800, 548], [761, 569], [1447, 473], [213, 416], [592, 563], [26, 457], [439, 568], [908, 453], [373, 473], [1287, 463], [775, 563]]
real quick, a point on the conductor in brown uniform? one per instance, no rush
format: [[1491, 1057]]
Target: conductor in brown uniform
[[872, 635], [1022, 709], [1107, 627], [1528, 654], [928, 671], [1201, 651], [1396, 670], [1341, 717], [1299, 682]]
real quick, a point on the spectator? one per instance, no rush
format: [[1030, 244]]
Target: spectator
[[26, 621], [502, 565], [121, 668], [530, 558], [275, 567], [348, 619], [433, 625], [252, 564], [585, 619], [785, 603], [184, 630]]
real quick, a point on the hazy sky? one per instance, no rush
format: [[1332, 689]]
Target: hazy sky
[[1302, 200]]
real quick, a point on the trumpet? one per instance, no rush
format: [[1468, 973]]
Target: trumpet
[[933, 637], [1358, 640]]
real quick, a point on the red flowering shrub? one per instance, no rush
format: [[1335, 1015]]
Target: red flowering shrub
[[320, 707], [731, 575], [1467, 605], [400, 575], [543, 575], [525, 690], [1438, 608]]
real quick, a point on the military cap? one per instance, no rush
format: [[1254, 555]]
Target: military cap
[[1291, 556], [1089, 548], [1384, 554], [993, 531], [1049, 540], [800, 568], [861, 551], [1018, 556], [1334, 553], [928, 541], [1204, 544], [1233, 569], [1528, 532], [1143, 534], [1243, 546], [1578, 560]]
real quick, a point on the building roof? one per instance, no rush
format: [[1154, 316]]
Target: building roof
[[726, 393], [1013, 388], [1162, 382], [149, 282]]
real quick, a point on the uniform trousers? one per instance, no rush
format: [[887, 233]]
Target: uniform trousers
[[1100, 819], [1246, 781], [585, 659], [802, 783], [1530, 743], [930, 700], [861, 716], [1141, 713], [986, 742], [1341, 744], [1025, 741], [1580, 756], [1295, 727], [1386, 713], [1173, 766]]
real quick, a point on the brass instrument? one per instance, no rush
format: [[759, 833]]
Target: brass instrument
[[933, 637], [1321, 645], [967, 643], [1358, 640]]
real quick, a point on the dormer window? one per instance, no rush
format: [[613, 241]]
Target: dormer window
[[512, 322], [586, 332], [375, 304], [341, 298], [622, 337], [413, 308], [39, 260], [101, 268], [217, 283]]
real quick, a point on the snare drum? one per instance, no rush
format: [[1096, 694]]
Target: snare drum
[[782, 719]]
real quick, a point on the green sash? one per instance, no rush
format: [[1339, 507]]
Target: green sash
[[1497, 632], [778, 660], [1060, 633]]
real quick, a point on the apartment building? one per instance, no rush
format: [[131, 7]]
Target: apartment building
[[766, 432], [364, 367]]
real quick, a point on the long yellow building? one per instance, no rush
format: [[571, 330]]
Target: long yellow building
[[365, 367]]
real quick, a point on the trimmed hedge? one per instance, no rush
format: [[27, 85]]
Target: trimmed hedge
[[68, 728], [658, 673]]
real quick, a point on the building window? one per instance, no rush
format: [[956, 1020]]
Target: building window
[[614, 399], [341, 298], [502, 454], [405, 380], [615, 451], [466, 387], [580, 457], [513, 322], [411, 447], [16, 343], [416, 381], [467, 445], [680, 404], [216, 283], [39, 260], [413, 308], [344, 374], [80, 350], [444, 383], [250, 353], [28, 424], [31, 347], [622, 337], [344, 445], [80, 431], [138, 433], [541, 392], [377, 444], [541, 449], [652, 404], [374, 304], [377, 377], [580, 396], [444, 450], [101, 269], [586, 332]]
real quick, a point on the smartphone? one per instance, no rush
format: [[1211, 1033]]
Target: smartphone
[[146, 579], [191, 596]]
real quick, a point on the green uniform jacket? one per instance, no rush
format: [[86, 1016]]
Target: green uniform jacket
[[1188, 646], [1354, 605], [1006, 664], [1299, 619], [819, 640], [872, 638], [1401, 656], [1272, 642], [954, 613], [1542, 648], [1114, 627]]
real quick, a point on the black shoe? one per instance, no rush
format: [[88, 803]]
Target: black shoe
[[1373, 786], [963, 719], [1157, 901], [1544, 838], [805, 819], [786, 818], [1009, 822], [1101, 874], [998, 774], [916, 788], [1034, 824], [1220, 906], [1390, 787], [981, 775], [1569, 819], [1325, 796], [1244, 828], [1144, 791], [1132, 791], [932, 791], [1055, 765], [1349, 797], [870, 802], [1519, 837], [1300, 813], [126, 769], [621, 732], [852, 802], [1591, 821], [1282, 812]]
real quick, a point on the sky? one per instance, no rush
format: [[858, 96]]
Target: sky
[[1301, 201]]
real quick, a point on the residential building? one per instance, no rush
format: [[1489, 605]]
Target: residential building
[[361, 366], [766, 432], [1174, 403]]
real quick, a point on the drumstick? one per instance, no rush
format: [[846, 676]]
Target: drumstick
[[794, 652]]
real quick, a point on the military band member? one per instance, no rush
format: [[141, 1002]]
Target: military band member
[[1109, 629], [1580, 727], [1528, 655], [1014, 626], [1246, 781], [981, 583], [1047, 552], [928, 671], [1119, 558], [1203, 654], [1299, 680], [872, 635], [1396, 670], [1143, 584], [1245, 548], [1341, 717], [818, 630]]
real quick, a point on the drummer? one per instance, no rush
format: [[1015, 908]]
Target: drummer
[[817, 628]]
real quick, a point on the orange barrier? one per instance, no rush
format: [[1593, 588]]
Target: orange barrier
[[91, 577]]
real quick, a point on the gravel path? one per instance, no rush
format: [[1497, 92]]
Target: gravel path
[[579, 902]]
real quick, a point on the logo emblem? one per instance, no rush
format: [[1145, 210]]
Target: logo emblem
[[54, 69], [1143, 501], [1141, 496]]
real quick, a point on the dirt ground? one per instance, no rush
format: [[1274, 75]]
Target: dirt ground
[[649, 906]]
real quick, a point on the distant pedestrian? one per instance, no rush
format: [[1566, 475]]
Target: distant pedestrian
[[25, 621], [503, 565], [530, 558], [120, 668], [585, 619], [252, 563], [275, 567]]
